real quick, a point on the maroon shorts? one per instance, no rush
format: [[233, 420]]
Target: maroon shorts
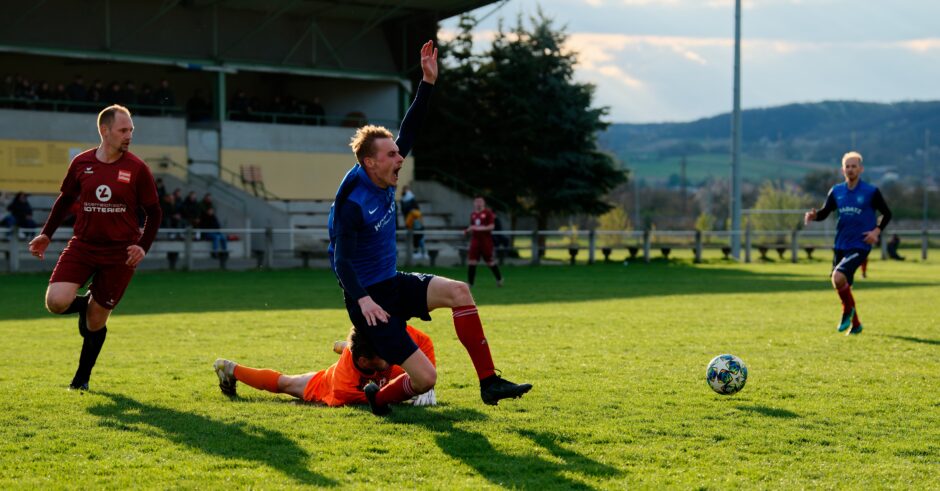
[[482, 247], [104, 265]]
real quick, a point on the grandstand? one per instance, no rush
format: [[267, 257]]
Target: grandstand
[[250, 100]]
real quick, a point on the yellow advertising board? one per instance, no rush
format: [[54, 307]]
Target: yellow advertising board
[[37, 166]]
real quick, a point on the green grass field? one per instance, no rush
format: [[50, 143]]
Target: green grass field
[[617, 355]]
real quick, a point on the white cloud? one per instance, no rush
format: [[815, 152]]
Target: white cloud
[[921, 45]]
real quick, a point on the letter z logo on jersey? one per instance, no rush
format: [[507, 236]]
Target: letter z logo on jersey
[[124, 176]]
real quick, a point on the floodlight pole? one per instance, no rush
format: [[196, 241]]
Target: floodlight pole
[[926, 167], [736, 140]]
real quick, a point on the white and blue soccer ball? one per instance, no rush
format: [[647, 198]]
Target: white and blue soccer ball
[[726, 374]]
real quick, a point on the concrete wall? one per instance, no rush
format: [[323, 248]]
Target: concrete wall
[[36, 147], [297, 162]]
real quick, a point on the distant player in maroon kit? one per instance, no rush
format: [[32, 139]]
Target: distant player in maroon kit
[[482, 222], [110, 185]]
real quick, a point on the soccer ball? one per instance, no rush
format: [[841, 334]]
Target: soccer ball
[[726, 374]]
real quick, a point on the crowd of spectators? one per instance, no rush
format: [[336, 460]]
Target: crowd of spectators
[[200, 214], [19, 92]]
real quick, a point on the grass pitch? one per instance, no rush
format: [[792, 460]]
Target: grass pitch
[[617, 355]]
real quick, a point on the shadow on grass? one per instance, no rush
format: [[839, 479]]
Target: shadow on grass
[[911, 339], [227, 440], [154, 292], [773, 412], [501, 468]]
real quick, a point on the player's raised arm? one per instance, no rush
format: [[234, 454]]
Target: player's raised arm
[[413, 119]]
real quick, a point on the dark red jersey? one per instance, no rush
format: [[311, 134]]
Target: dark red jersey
[[485, 217], [109, 196]]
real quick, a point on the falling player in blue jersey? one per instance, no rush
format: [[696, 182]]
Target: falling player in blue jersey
[[857, 229], [363, 255]]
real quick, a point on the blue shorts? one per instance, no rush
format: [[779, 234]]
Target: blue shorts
[[846, 261], [403, 296]]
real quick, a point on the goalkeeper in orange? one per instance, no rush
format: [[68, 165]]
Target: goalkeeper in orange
[[339, 384]]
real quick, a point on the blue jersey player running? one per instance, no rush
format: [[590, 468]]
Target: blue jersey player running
[[857, 229], [363, 255]]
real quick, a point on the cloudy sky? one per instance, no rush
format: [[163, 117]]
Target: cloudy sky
[[672, 60]]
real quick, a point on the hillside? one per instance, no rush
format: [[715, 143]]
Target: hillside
[[784, 141]]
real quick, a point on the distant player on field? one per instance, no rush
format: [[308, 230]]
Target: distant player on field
[[363, 254], [340, 384], [110, 185], [482, 223], [857, 229]]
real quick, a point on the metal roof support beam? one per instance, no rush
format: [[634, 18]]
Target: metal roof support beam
[[265, 23], [373, 24], [36, 6], [296, 45], [167, 7], [329, 46]]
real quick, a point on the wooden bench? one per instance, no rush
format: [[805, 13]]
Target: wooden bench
[[251, 178]]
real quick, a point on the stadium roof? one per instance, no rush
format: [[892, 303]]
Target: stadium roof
[[361, 39]]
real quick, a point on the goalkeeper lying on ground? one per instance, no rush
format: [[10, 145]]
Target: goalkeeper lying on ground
[[341, 383]]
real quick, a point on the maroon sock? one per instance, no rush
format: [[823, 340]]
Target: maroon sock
[[470, 333], [848, 301], [397, 390], [855, 321]]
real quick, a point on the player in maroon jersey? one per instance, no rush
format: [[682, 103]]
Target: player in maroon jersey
[[482, 222], [110, 185]]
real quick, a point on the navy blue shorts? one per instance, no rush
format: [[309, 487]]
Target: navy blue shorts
[[847, 261], [403, 296]]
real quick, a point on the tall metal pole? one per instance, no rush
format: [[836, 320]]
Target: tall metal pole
[[926, 167], [736, 139]]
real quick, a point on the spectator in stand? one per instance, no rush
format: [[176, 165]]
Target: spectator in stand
[[96, 95], [208, 221], [21, 211], [8, 89], [114, 94], [171, 217], [146, 100], [164, 95], [60, 94], [206, 202], [316, 109], [198, 109], [161, 188], [77, 92], [8, 221], [415, 223], [129, 94], [238, 106], [43, 95], [408, 201], [190, 210], [25, 93]]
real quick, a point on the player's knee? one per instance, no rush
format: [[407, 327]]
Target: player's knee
[[57, 304], [424, 382], [460, 294], [838, 280]]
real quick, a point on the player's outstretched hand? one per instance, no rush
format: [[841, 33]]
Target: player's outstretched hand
[[135, 254], [372, 311], [38, 245], [809, 216], [429, 62]]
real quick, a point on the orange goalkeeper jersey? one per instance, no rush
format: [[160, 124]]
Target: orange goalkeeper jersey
[[342, 382]]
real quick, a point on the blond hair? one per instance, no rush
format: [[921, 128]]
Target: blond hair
[[363, 142], [852, 155], [106, 116]]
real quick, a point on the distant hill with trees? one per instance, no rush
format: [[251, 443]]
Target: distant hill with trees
[[784, 142]]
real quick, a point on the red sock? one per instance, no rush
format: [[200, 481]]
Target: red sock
[[855, 321], [470, 333], [259, 378], [397, 390], [848, 301]]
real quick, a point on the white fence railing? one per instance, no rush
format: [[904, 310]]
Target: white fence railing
[[272, 248]]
